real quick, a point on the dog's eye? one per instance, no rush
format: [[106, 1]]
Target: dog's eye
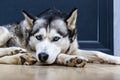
[[56, 38], [39, 37]]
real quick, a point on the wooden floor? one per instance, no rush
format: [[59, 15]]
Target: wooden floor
[[90, 72]]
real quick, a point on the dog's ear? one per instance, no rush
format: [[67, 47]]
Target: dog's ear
[[29, 20], [71, 20]]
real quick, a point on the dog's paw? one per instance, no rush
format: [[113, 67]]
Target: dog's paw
[[16, 50], [26, 59], [76, 62]]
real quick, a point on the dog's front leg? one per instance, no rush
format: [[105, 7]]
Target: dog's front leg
[[21, 59], [11, 51], [70, 60], [96, 56], [16, 55]]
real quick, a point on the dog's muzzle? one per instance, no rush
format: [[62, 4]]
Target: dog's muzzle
[[46, 52], [43, 56]]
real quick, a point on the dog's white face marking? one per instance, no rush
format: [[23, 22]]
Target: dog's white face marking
[[49, 48], [49, 41]]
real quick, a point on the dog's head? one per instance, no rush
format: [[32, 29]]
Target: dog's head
[[50, 34]]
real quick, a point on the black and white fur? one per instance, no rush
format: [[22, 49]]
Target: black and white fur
[[50, 37]]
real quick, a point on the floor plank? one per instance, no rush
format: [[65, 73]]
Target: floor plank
[[90, 72]]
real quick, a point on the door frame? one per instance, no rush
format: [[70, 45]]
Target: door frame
[[116, 28]]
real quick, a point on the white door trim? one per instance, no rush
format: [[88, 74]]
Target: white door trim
[[117, 27]]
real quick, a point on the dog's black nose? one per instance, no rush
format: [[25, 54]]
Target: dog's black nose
[[43, 56]]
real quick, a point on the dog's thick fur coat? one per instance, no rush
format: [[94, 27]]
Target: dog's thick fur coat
[[50, 38]]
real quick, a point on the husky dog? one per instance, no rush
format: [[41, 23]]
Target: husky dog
[[51, 37]]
